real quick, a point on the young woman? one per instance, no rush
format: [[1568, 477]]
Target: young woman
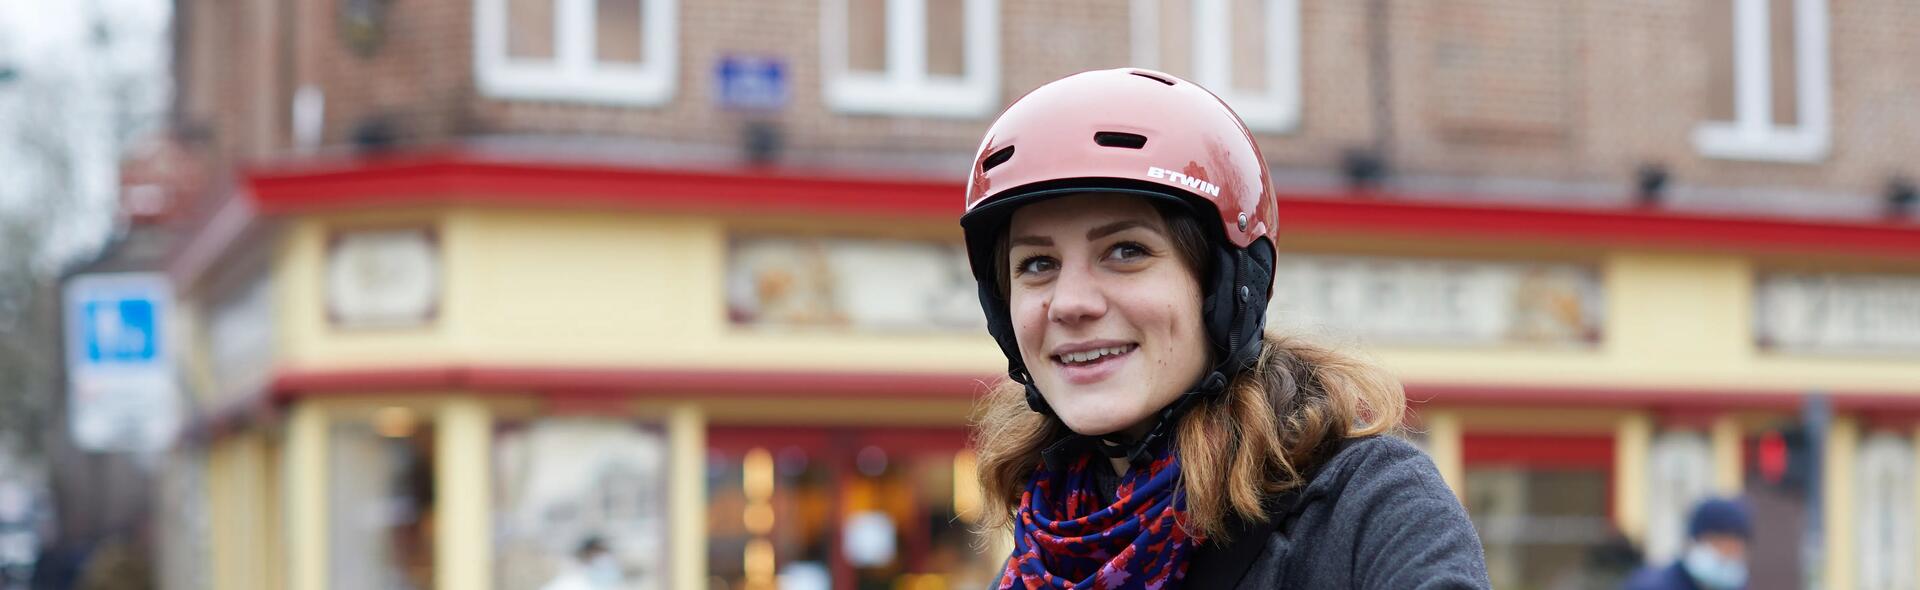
[[1152, 434]]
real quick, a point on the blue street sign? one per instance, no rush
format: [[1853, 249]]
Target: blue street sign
[[750, 83], [121, 388], [119, 331]]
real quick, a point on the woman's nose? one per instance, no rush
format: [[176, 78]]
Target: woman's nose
[[1076, 297]]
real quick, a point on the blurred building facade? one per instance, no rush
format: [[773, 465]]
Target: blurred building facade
[[470, 282]]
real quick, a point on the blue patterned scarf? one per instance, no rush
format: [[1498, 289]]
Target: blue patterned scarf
[[1064, 535]]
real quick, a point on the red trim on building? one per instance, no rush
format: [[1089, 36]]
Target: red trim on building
[[737, 440], [454, 177], [825, 440], [578, 382], [437, 178], [1676, 406], [589, 382], [1538, 451], [1555, 396], [1624, 227]]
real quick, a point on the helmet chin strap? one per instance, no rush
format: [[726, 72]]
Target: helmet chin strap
[[1117, 445]]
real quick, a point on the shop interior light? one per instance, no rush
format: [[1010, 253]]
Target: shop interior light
[[922, 582], [758, 517], [395, 422], [758, 563], [756, 477], [756, 482], [966, 486]]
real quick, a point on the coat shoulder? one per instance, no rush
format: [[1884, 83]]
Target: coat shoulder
[[1378, 464], [1376, 514]]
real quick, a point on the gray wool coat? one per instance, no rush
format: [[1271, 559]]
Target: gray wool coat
[[1374, 515]]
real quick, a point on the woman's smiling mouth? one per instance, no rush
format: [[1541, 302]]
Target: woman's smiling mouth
[[1084, 357], [1092, 365]]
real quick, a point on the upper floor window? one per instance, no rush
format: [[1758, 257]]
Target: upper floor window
[[601, 51], [1769, 93], [933, 58], [1246, 51]]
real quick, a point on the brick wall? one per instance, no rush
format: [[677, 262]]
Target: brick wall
[[1560, 91], [417, 75]]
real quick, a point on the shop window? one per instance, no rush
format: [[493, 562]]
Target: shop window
[[1246, 51], [581, 498], [932, 58], [1768, 91], [1681, 476], [599, 51], [843, 509], [380, 503], [1542, 506], [769, 516], [1883, 519], [788, 282], [1440, 302]]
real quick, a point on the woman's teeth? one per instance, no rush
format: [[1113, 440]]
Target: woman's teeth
[[1095, 354]]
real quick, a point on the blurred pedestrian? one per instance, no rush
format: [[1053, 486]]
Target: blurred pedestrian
[[593, 567], [1716, 554], [1120, 225]]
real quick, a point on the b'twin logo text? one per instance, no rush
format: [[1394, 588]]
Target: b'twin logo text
[[1196, 184]]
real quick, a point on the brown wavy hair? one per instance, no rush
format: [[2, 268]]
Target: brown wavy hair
[[1274, 422]]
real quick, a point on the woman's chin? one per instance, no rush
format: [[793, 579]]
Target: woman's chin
[[1095, 423]]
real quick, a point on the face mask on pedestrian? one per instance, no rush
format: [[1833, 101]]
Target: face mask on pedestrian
[[604, 571], [1714, 571]]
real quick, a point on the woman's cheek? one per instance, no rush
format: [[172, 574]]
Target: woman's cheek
[[1029, 328]]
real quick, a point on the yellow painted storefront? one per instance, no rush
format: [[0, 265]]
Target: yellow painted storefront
[[610, 299]]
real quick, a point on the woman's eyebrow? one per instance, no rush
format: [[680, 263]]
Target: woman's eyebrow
[[1119, 226], [1031, 241]]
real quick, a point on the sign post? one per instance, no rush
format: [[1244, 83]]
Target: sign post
[[121, 392]]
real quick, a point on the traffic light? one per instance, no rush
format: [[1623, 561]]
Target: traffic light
[[1784, 457]]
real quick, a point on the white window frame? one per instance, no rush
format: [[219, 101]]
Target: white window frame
[[1679, 474], [1752, 134], [1879, 562], [574, 74], [906, 88], [1278, 109]]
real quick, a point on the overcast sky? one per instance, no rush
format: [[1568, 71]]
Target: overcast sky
[[53, 48]]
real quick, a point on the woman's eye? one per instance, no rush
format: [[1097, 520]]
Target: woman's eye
[[1128, 251], [1033, 264]]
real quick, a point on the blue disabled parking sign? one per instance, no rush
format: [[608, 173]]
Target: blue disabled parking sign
[[121, 330], [122, 395]]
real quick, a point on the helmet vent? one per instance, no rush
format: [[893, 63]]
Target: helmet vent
[[1117, 139], [997, 158], [1153, 78]]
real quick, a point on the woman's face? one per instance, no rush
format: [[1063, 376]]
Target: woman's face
[[1106, 314]]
